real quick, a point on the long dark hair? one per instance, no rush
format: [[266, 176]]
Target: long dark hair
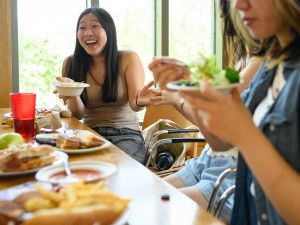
[[78, 65], [234, 49]]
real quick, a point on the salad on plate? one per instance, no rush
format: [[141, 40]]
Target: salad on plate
[[204, 69]]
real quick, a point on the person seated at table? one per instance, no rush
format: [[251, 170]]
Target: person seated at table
[[116, 80], [198, 176]]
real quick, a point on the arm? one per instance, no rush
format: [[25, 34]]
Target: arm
[[164, 73], [275, 175], [168, 72], [173, 98], [138, 94], [75, 105]]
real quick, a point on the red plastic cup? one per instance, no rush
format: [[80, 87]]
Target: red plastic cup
[[23, 112]]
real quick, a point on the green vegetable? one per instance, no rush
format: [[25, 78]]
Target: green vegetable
[[204, 69], [232, 75]]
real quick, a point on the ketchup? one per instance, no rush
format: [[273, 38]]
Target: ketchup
[[76, 176]]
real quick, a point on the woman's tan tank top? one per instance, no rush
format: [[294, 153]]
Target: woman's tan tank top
[[114, 114]]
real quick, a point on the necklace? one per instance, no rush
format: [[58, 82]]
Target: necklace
[[278, 82], [95, 79]]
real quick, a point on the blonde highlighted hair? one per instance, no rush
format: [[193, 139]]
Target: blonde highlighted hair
[[289, 12]]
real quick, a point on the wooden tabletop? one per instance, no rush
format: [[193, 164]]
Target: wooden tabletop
[[133, 180]]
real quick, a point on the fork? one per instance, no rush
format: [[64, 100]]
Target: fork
[[70, 132]]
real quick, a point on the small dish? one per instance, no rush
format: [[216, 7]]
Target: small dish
[[196, 90], [86, 171], [70, 88]]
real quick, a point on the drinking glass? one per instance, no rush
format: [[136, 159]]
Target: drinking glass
[[23, 112]]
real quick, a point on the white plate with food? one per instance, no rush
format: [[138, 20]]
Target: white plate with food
[[84, 171], [58, 159], [175, 85], [39, 113], [84, 141]]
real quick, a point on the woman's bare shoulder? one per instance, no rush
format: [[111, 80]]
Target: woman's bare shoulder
[[127, 54], [129, 57]]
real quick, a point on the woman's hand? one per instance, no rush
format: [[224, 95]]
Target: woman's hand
[[223, 115], [167, 69], [144, 95], [166, 98], [64, 98]]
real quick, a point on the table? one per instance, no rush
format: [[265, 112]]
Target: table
[[136, 182]]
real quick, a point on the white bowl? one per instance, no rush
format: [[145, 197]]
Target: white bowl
[[70, 88], [103, 168]]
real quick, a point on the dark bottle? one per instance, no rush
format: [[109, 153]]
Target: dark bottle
[[164, 160]]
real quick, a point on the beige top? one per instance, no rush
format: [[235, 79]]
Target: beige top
[[114, 114]]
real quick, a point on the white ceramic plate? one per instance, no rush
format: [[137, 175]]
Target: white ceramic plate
[[196, 90], [7, 115], [59, 157], [78, 151], [105, 169]]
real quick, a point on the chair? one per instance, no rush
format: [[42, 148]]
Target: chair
[[214, 206], [179, 125]]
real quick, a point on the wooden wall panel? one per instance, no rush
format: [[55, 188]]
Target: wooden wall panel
[[5, 54]]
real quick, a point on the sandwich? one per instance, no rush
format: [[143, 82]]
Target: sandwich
[[26, 156], [79, 141]]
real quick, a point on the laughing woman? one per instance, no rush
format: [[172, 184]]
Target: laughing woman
[[116, 80]]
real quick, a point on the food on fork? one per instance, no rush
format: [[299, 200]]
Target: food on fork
[[25, 157], [79, 141]]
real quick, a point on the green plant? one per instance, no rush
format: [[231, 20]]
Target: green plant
[[39, 66]]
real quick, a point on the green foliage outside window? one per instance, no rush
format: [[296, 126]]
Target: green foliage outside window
[[38, 68]]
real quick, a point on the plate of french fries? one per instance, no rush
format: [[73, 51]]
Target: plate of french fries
[[76, 203]]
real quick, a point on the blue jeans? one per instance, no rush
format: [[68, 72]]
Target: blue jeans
[[130, 141], [202, 172]]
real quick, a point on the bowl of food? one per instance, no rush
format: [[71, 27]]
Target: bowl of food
[[82, 171], [70, 88]]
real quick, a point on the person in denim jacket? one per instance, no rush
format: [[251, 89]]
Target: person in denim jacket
[[267, 135], [264, 126]]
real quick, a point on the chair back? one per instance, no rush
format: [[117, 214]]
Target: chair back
[[154, 113], [168, 112]]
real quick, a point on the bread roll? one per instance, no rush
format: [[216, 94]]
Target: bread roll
[[88, 215]]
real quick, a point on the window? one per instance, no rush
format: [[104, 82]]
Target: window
[[190, 29], [46, 36], [135, 27]]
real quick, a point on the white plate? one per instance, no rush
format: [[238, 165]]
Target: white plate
[[7, 115], [196, 90], [106, 170], [78, 151], [39, 116], [59, 157]]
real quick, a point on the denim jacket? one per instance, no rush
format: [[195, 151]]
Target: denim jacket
[[282, 127]]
